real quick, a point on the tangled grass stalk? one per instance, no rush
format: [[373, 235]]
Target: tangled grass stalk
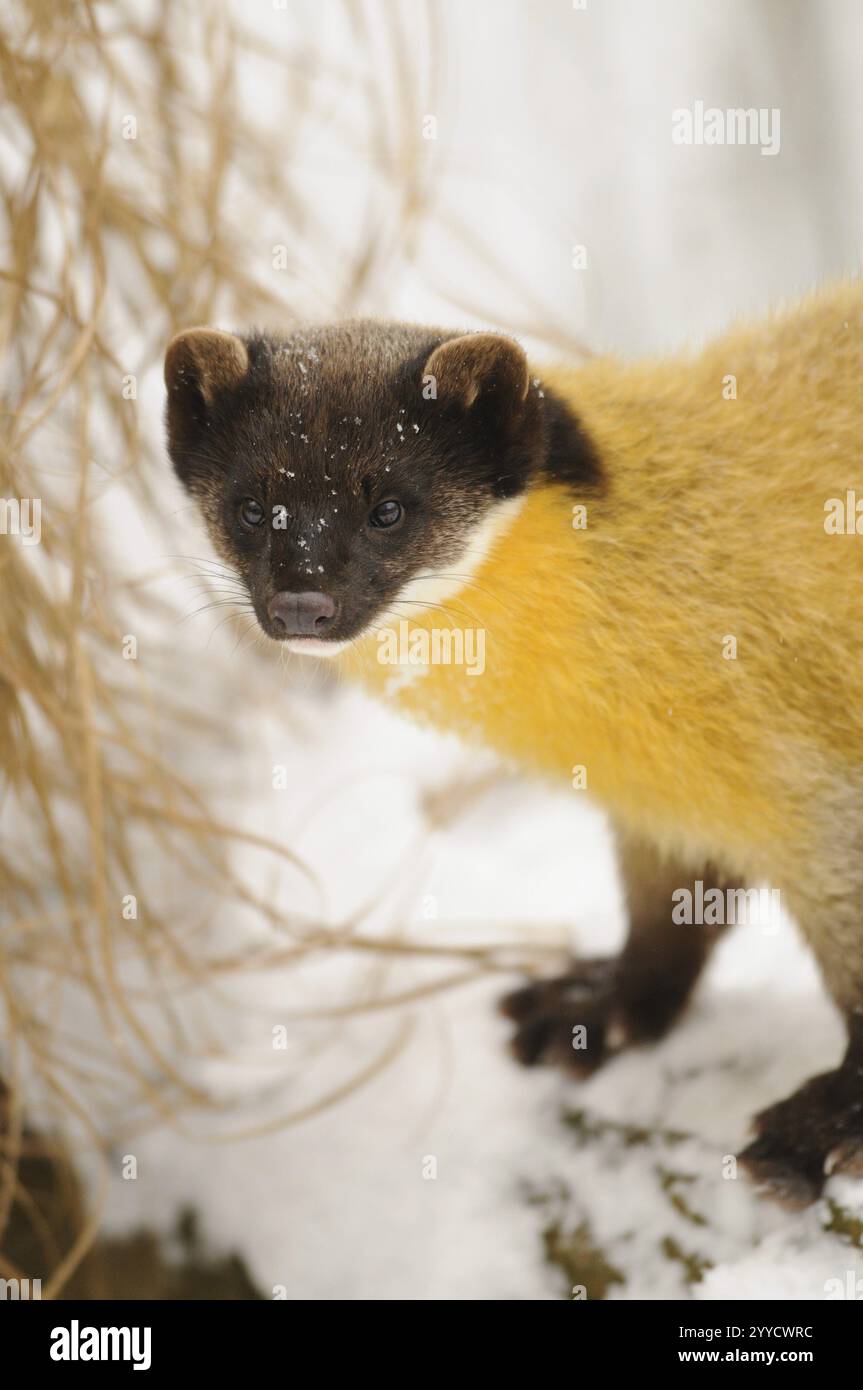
[[143, 190]]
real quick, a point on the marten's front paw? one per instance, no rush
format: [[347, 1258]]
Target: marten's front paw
[[576, 1020], [801, 1141]]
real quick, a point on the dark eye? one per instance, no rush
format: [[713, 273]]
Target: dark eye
[[251, 512], [386, 514]]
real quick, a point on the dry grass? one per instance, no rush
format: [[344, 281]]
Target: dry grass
[[112, 243]]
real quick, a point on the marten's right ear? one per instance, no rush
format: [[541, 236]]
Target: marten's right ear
[[200, 363]]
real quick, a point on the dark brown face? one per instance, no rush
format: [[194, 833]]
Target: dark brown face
[[342, 468]]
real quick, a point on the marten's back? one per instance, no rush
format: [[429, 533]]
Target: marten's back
[[727, 473]]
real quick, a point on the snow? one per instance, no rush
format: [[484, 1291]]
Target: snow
[[338, 1207]]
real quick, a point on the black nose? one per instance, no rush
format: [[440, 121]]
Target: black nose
[[301, 615]]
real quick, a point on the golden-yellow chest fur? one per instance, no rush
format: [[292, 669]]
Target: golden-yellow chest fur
[[695, 646]]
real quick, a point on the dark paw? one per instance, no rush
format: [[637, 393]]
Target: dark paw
[[575, 1021], [801, 1141]]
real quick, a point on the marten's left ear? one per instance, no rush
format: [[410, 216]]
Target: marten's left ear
[[200, 363], [483, 372]]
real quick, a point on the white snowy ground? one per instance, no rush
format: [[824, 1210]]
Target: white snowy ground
[[554, 130], [338, 1207]]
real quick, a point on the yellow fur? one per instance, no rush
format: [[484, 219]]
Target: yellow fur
[[604, 646]]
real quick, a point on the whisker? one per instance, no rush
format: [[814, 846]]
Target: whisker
[[227, 618], [213, 583], [202, 560], [420, 603], [469, 583], [251, 628], [218, 603], [423, 603]]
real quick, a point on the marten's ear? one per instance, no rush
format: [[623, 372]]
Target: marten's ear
[[199, 364], [485, 372]]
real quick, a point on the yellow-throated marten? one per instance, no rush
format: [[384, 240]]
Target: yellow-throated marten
[[666, 560]]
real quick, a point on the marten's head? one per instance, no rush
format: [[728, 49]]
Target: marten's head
[[348, 470]]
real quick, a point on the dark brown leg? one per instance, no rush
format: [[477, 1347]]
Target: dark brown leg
[[815, 1132], [818, 1130], [601, 1005]]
